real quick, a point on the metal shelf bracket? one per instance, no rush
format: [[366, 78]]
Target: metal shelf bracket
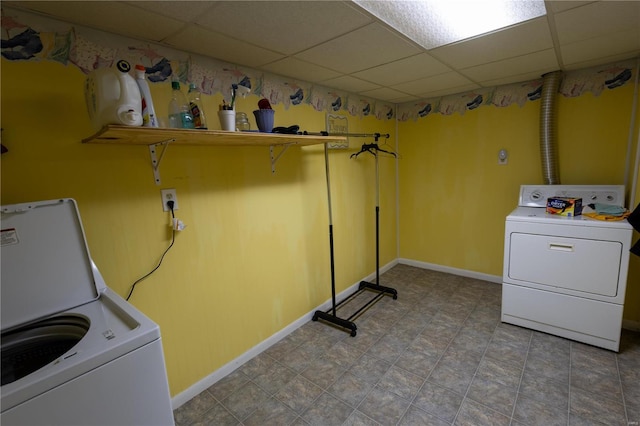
[[275, 157], [155, 161]]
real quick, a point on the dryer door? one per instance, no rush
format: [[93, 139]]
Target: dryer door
[[578, 264]]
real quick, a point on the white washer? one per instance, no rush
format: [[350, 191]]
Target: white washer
[[566, 276], [73, 351]]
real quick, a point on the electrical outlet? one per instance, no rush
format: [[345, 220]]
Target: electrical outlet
[[169, 195]]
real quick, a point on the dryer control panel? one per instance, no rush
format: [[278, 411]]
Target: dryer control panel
[[536, 195]]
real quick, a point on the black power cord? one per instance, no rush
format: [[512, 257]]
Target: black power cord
[[173, 239]]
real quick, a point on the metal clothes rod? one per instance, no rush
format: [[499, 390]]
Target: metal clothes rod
[[355, 135]]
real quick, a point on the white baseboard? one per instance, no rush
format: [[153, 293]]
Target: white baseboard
[[228, 368], [455, 271], [225, 370], [231, 366]]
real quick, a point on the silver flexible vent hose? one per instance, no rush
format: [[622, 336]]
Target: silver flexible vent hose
[[548, 132]]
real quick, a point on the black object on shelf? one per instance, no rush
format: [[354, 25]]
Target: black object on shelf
[[330, 315]]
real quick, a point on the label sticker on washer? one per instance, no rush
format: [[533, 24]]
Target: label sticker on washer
[[8, 237]]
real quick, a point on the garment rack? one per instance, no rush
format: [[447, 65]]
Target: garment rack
[[330, 315], [355, 135]]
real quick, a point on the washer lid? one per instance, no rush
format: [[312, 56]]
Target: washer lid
[[46, 267]]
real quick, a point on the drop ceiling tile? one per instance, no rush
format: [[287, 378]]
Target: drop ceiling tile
[[350, 84], [449, 91], [519, 78], [283, 26], [599, 61], [384, 94], [518, 40], [403, 70], [596, 20], [443, 81], [111, 16], [185, 11], [556, 6], [624, 43], [363, 48], [403, 99], [301, 70], [208, 43], [539, 62]]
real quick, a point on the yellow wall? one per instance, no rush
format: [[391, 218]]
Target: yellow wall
[[454, 196], [254, 257], [255, 254]]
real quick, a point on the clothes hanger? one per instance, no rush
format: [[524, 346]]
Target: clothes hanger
[[386, 145], [373, 148]]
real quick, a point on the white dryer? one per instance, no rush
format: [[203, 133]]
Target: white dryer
[[73, 351], [566, 276]]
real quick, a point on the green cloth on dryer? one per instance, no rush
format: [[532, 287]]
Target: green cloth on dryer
[[608, 209]]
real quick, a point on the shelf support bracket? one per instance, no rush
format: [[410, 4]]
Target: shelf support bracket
[[155, 161], [275, 157]]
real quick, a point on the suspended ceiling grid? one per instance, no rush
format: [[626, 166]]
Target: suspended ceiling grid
[[341, 45]]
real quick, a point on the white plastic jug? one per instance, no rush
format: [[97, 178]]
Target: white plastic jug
[[113, 96]]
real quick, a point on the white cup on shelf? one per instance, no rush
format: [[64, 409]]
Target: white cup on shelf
[[227, 119]]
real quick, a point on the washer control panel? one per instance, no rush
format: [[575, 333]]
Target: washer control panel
[[536, 195]]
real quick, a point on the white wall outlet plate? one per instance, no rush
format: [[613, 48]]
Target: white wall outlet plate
[[169, 195]]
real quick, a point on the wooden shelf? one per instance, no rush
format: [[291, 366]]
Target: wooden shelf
[[155, 138], [127, 135]]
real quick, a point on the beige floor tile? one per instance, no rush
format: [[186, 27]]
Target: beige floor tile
[[438, 355]]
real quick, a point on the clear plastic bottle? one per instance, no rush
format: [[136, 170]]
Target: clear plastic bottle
[[180, 116], [148, 111], [195, 105]]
